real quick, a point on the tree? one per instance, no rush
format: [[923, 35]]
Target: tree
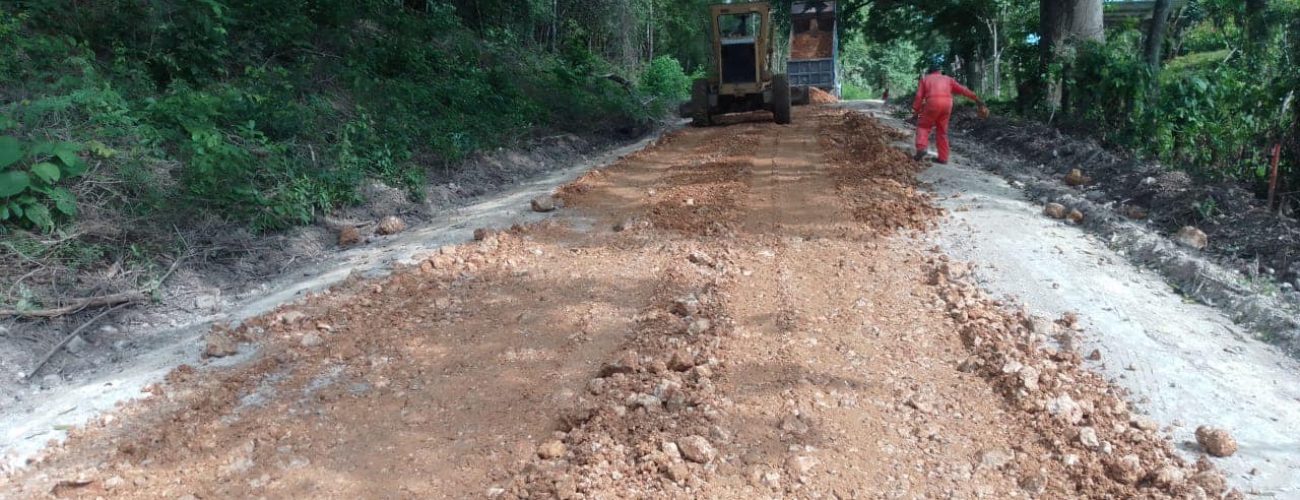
[[1156, 34]]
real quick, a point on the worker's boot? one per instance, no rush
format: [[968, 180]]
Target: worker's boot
[[920, 154]]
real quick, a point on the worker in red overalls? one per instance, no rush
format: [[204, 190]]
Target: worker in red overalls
[[933, 107]]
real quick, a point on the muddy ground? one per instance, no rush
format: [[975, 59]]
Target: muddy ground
[[736, 312]]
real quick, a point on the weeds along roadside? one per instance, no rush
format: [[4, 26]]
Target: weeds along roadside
[[132, 134]]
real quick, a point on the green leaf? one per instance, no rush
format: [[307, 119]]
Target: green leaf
[[4, 212], [64, 201], [73, 164], [46, 171], [10, 151], [40, 217], [15, 209], [12, 183]]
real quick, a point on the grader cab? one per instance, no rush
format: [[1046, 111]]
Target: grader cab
[[741, 79]]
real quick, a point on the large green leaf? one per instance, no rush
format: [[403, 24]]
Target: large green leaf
[[47, 171], [16, 209], [12, 183], [64, 201], [73, 165], [4, 212], [10, 151], [40, 216]]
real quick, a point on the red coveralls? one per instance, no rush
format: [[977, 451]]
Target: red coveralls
[[935, 91]]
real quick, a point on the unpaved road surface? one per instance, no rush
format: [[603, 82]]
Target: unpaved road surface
[[735, 312]]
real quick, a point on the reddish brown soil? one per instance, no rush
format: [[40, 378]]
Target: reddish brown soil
[[744, 316], [814, 44], [819, 96]]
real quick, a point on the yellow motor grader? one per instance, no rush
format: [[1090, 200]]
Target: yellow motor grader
[[742, 78]]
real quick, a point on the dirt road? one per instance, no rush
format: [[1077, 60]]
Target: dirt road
[[735, 312]]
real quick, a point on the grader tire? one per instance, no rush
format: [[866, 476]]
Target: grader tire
[[700, 104], [781, 99]]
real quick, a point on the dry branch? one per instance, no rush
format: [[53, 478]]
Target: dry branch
[[131, 297]]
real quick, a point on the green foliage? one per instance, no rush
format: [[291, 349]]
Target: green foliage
[[30, 173], [665, 80], [267, 112], [872, 67]]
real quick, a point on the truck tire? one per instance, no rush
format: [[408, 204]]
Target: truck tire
[[781, 98], [700, 115]]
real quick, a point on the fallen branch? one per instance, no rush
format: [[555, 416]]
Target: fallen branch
[[46, 358], [116, 299]]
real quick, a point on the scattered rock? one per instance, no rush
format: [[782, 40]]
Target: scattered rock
[[678, 472], [699, 326], [1095, 355], [1088, 438], [681, 361], [114, 482], [1169, 476], [701, 258], [628, 362], [801, 465], [1125, 470], [219, 346], [291, 317], [390, 225], [482, 233], [1055, 210], [1191, 237], [1065, 409], [794, 425], [1133, 212], [1075, 216], [993, 458], [696, 449], [349, 236], [543, 203], [1144, 422], [1076, 178], [311, 339], [551, 449], [1034, 483], [1216, 442], [76, 345], [686, 306], [51, 381]]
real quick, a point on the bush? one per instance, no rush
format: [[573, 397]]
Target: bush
[[267, 112], [665, 80]]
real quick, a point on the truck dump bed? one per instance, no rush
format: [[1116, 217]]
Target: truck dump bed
[[813, 45]]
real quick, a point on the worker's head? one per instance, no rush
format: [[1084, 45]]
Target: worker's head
[[934, 63]]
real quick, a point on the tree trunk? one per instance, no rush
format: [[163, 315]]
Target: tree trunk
[[1156, 34], [1062, 24]]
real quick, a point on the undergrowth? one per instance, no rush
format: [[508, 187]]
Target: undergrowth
[[264, 114]]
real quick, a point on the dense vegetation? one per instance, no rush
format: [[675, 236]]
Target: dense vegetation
[[124, 123], [1209, 89]]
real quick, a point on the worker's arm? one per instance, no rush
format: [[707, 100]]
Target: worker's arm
[[958, 88], [920, 97]]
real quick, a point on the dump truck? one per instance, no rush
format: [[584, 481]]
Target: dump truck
[[741, 79], [814, 47]]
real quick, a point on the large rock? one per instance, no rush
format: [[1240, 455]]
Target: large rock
[[1055, 210], [390, 225], [1076, 178], [349, 236], [1216, 442], [1191, 237], [697, 449], [543, 203], [551, 449]]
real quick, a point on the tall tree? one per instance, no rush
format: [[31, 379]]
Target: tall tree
[[1155, 40]]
